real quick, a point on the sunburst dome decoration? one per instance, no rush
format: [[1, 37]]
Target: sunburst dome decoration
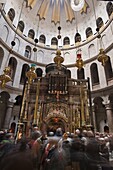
[[56, 5]]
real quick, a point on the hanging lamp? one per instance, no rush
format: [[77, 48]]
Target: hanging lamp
[[31, 75], [101, 57], [79, 62]]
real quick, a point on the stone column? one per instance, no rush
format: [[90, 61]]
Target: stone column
[[8, 115], [109, 113], [94, 118]]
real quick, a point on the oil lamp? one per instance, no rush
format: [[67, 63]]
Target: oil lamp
[[79, 62], [102, 57]]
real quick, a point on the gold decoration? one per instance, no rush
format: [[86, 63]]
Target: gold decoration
[[4, 78], [31, 75], [82, 105], [36, 117], [102, 57], [79, 62], [84, 9], [58, 59]]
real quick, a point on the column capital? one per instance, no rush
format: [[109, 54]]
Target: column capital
[[10, 104], [108, 106]]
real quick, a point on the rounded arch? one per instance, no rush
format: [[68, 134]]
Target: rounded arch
[[11, 14], [66, 41], [80, 73], [100, 113], [77, 38], [94, 74], [5, 33], [18, 100], [31, 34], [21, 26], [16, 47], [66, 58], [1, 56], [91, 50], [27, 52], [40, 56], [25, 68], [54, 41], [98, 100], [4, 99], [99, 22], [42, 39], [89, 32], [106, 129], [4, 96], [12, 64], [39, 72], [108, 70], [109, 8]]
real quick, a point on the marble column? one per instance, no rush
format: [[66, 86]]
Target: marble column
[[8, 115], [109, 113]]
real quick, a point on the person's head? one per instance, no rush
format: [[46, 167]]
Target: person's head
[[65, 136], [90, 134], [44, 134], [77, 132], [35, 128]]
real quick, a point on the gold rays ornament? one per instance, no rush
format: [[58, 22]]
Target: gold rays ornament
[[84, 9]]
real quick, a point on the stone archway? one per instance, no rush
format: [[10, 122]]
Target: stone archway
[[56, 118], [56, 123]]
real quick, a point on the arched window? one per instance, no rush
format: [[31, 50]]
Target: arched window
[[5, 33], [54, 41], [11, 14], [1, 56], [42, 39], [88, 32], [80, 73], [31, 34], [66, 41], [25, 68], [28, 52], [109, 8], [91, 50], [21, 26], [39, 72], [77, 38], [99, 22], [108, 70], [12, 64], [18, 100], [94, 74]]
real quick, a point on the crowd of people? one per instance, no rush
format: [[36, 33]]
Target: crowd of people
[[82, 150]]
